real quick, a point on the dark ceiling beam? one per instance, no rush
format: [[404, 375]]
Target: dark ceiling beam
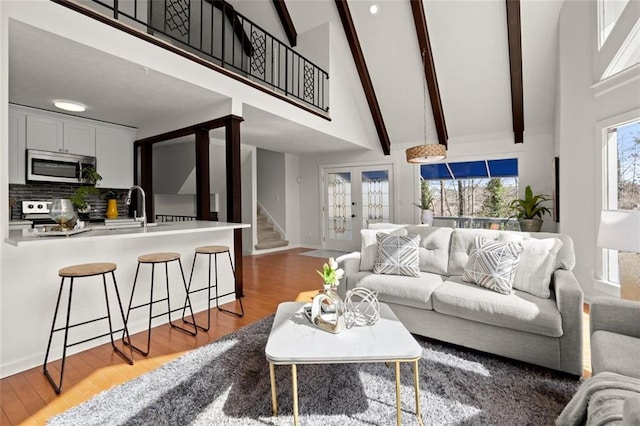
[[420, 21], [515, 64], [363, 72], [287, 22]]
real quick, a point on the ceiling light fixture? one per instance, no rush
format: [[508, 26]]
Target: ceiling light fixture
[[426, 153], [70, 106], [373, 9]]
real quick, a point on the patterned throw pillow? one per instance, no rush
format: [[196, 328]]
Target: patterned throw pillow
[[398, 255], [493, 264]]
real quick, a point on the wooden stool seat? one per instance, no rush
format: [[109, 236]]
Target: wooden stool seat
[[158, 257], [212, 249], [87, 269], [71, 273]]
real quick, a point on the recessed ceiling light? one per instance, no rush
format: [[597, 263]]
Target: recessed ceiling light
[[373, 9], [70, 106]]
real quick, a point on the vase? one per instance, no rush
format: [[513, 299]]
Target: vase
[[426, 217], [327, 310], [112, 208]]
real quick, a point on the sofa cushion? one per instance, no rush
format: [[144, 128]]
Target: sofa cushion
[[537, 263], [565, 258], [519, 310], [369, 247], [493, 264], [434, 247], [615, 353], [397, 255], [409, 291], [461, 240]]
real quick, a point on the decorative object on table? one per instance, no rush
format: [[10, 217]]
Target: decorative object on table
[[426, 153], [62, 213], [361, 307], [620, 230], [529, 210], [88, 178], [426, 203], [112, 205], [327, 308]]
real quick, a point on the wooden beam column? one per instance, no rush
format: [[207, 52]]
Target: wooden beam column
[[515, 65], [146, 179], [365, 79], [234, 191], [203, 197], [420, 21], [287, 22]]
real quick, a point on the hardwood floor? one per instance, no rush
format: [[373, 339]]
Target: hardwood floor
[[27, 398]]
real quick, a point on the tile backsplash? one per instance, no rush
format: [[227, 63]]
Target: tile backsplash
[[47, 191]]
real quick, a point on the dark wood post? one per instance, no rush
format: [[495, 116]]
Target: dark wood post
[[203, 192], [146, 179], [234, 192]]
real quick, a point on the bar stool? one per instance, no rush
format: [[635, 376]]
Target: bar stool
[[153, 259], [215, 251], [82, 271]]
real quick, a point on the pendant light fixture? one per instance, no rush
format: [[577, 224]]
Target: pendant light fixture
[[426, 153]]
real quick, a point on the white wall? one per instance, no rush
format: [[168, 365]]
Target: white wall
[[534, 163], [271, 185], [292, 195], [577, 112]]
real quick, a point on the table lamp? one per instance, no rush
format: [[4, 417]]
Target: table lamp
[[620, 230]]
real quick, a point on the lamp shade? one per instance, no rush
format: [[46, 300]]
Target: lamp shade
[[620, 230], [427, 153]]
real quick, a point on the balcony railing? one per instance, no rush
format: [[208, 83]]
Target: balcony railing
[[213, 30]]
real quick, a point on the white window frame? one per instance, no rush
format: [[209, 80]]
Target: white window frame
[[605, 155]]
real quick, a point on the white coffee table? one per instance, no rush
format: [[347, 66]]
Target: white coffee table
[[294, 340]]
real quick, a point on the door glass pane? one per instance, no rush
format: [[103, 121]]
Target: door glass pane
[[339, 206], [375, 197]]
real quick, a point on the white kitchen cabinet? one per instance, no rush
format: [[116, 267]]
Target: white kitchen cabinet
[[44, 133], [51, 132], [114, 156], [79, 138], [17, 146]]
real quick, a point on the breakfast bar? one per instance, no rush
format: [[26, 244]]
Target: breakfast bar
[[30, 281]]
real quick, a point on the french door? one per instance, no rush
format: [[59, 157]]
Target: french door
[[354, 197]]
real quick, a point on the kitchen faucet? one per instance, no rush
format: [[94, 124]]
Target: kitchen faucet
[[127, 201]]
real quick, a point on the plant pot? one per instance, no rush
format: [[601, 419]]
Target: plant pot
[[530, 225], [426, 217]]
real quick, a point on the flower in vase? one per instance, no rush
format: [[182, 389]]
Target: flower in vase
[[331, 274]]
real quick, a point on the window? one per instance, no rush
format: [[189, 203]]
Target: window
[[474, 189], [621, 181]]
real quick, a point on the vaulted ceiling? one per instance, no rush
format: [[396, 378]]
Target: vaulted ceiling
[[468, 38]]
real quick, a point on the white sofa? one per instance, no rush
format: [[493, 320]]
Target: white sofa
[[439, 304]]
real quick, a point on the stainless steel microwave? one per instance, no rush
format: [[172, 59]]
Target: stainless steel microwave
[[46, 166]]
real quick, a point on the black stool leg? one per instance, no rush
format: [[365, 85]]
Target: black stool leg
[[106, 298], [133, 290], [238, 314], [193, 318], [58, 388], [184, 309]]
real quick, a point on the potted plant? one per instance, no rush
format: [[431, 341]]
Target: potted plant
[[529, 210], [88, 178], [426, 203]]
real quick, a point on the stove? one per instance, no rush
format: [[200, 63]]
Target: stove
[[37, 212]]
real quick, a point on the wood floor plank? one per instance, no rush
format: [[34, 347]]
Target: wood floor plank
[[269, 279]]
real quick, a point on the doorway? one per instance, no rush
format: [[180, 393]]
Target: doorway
[[353, 198]]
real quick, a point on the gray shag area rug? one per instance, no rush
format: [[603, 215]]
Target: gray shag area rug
[[227, 383]]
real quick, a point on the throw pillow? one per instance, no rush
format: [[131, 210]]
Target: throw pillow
[[537, 264], [369, 247], [493, 264], [398, 255]]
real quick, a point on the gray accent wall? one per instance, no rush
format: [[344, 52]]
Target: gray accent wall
[[271, 173]]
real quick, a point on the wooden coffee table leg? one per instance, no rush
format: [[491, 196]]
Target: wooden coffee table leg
[[294, 390], [417, 386], [274, 398], [398, 410]]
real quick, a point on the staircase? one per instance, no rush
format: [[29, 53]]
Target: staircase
[[268, 238]]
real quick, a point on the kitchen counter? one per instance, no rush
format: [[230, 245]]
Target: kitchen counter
[[99, 232], [30, 282]]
